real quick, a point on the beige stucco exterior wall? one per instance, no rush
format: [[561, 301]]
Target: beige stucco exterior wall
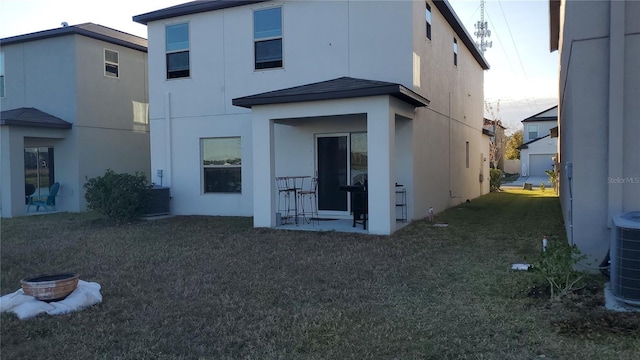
[[453, 118]]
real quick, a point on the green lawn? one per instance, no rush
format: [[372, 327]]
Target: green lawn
[[215, 288]]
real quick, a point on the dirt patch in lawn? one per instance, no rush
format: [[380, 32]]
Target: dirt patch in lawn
[[585, 315], [599, 323]]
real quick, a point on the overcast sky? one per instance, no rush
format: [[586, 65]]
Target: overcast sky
[[523, 74]]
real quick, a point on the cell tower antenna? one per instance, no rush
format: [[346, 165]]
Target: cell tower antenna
[[482, 31]]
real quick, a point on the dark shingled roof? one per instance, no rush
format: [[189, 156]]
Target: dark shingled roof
[[31, 117], [340, 88], [192, 7], [195, 7], [526, 145], [91, 30], [537, 116]]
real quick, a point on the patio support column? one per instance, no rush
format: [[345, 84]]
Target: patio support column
[[264, 194], [381, 147], [12, 163]]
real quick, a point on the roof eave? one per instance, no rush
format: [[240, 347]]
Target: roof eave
[[193, 7], [395, 90], [447, 11], [533, 119], [554, 25], [26, 123], [69, 30]]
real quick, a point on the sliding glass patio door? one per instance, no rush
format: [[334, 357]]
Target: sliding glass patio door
[[39, 169], [341, 160], [332, 162]]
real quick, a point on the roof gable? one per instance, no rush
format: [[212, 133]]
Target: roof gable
[[551, 114], [90, 30], [340, 88]]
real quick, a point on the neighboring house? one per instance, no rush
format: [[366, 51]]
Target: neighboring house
[[599, 116], [244, 91], [498, 142], [539, 147], [74, 103]]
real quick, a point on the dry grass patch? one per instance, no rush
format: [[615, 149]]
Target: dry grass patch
[[214, 287]]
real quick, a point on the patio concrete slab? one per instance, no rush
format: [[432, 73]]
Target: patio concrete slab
[[337, 225]]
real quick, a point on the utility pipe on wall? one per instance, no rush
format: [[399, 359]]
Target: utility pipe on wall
[[168, 153]]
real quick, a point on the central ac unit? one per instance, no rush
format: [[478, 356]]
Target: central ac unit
[[625, 258]]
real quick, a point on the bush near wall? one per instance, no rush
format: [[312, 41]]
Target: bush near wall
[[120, 197], [495, 180]]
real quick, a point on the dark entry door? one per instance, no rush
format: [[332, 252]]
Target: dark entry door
[[332, 172]]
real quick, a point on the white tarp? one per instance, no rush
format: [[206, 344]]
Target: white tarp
[[25, 306]]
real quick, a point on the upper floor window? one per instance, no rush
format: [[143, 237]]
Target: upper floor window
[[267, 38], [1, 74], [222, 164], [532, 131], [455, 51], [111, 63], [466, 149], [428, 19], [177, 47]]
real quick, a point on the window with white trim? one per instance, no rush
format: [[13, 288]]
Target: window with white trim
[[467, 153], [177, 50], [428, 21], [267, 38], [455, 52], [1, 74], [532, 130], [111, 63], [222, 165]]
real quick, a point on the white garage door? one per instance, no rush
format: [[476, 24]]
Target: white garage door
[[539, 163]]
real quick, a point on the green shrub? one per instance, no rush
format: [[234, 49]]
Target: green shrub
[[556, 266], [552, 179], [121, 197], [495, 180]]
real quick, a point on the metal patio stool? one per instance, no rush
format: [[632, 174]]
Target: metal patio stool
[[309, 196], [286, 191]]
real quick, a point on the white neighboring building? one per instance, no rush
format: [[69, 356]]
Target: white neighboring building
[[539, 147], [244, 91]]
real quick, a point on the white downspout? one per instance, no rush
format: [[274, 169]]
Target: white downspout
[[168, 152]]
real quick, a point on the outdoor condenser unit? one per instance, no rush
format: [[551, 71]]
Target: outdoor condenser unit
[[159, 202], [625, 258]]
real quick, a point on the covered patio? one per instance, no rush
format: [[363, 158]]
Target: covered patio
[[308, 130], [31, 141]]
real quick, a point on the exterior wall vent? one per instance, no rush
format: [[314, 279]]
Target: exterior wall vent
[[625, 258]]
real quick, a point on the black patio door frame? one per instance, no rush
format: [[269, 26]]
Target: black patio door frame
[[332, 166]]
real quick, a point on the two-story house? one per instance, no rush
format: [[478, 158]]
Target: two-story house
[[74, 103], [244, 91], [598, 44], [539, 147]]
